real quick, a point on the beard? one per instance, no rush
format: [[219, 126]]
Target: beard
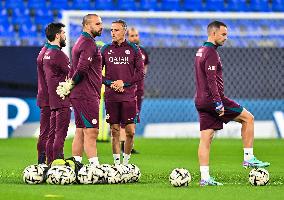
[[136, 42], [95, 33], [62, 42]]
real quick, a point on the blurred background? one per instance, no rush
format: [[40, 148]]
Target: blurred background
[[171, 31]]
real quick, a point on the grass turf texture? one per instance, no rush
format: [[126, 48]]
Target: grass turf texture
[[157, 159]]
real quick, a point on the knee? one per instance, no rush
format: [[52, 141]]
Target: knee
[[115, 132], [130, 133]]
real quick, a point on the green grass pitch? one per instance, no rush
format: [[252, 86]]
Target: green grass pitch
[[158, 157]]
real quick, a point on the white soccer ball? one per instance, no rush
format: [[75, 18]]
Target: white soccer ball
[[60, 175], [125, 173], [180, 177], [98, 174], [91, 174], [34, 174], [114, 175], [258, 177], [85, 175], [106, 168], [134, 173]]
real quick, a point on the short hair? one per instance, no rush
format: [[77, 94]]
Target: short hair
[[215, 24], [87, 18], [52, 29], [131, 29], [122, 22]]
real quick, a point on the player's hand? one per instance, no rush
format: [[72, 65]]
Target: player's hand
[[219, 108], [117, 85]]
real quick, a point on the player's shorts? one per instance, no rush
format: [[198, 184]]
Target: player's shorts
[[86, 113], [209, 118], [121, 112]]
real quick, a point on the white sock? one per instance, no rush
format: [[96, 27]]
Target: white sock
[[94, 161], [116, 159], [126, 158], [78, 158], [204, 170], [248, 154]]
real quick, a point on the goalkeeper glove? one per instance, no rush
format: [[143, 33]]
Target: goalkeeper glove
[[218, 106], [64, 88]]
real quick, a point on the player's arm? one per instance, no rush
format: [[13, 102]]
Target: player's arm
[[146, 62], [105, 81], [85, 60], [139, 67], [138, 74], [63, 65], [211, 72], [62, 62]]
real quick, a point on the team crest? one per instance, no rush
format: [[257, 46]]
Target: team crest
[[94, 121], [127, 51]]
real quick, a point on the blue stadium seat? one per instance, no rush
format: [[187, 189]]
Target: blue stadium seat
[[43, 20], [127, 5], [6, 30], [193, 5], [170, 5], [14, 4], [58, 4], [35, 4], [277, 5], [42, 12], [18, 12], [24, 19], [104, 5], [82, 5], [237, 5], [215, 5], [259, 5], [149, 5]]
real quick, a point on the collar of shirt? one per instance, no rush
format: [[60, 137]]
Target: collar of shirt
[[46, 44], [210, 44], [121, 45], [50, 46], [85, 34]]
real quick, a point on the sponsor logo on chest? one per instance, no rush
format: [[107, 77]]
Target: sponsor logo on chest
[[119, 60]]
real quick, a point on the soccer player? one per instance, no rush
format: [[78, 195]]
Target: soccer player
[[56, 67], [43, 104], [214, 108], [124, 68], [133, 36], [86, 78]]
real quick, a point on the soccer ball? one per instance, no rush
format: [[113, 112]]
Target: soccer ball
[[98, 174], [106, 168], [134, 174], [85, 175], [60, 175], [179, 177], [258, 177], [114, 175], [125, 173], [34, 174], [90, 174]]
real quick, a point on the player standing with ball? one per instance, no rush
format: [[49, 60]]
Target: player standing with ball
[[214, 108]]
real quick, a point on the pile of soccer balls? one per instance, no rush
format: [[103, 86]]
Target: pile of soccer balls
[[88, 174]]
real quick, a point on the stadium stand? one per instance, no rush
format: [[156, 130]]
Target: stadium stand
[[22, 22]]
